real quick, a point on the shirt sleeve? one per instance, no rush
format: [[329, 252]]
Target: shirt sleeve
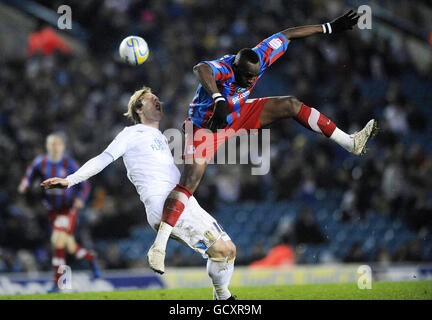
[[271, 49], [118, 146], [89, 169], [221, 71], [83, 188]]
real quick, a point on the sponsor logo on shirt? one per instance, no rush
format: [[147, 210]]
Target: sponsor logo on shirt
[[157, 145], [240, 96], [240, 90]]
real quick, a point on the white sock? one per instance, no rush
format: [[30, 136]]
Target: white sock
[[162, 236], [342, 139], [220, 271]]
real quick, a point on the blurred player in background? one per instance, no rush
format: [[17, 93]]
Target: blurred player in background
[[62, 205], [221, 103], [150, 167]]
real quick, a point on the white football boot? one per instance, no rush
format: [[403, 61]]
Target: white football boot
[[361, 137], [156, 258]]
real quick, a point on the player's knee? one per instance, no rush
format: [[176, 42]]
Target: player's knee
[[70, 244], [58, 239], [290, 107], [221, 249]]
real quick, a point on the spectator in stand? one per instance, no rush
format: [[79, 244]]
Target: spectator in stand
[[46, 41]]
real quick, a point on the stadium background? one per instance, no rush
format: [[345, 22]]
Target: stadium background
[[324, 205]]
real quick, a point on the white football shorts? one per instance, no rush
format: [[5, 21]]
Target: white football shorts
[[196, 228]]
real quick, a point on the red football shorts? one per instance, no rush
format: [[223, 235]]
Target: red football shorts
[[63, 220], [202, 143]]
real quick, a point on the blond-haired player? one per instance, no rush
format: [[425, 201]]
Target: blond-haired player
[[150, 167]]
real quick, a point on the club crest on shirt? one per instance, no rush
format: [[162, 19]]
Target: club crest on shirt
[[240, 90], [209, 235]]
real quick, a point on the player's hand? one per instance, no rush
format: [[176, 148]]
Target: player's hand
[[218, 118], [343, 23], [55, 183]]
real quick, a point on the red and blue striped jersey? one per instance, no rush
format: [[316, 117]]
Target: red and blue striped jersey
[[57, 199], [201, 107]]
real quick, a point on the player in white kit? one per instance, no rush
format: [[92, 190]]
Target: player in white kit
[[150, 167]]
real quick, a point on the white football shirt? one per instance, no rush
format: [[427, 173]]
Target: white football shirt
[[148, 160]]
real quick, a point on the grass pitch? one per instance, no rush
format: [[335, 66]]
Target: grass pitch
[[414, 290]]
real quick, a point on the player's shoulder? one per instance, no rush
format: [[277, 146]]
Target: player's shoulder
[[38, 159], [228, 58], [126, 130], [139, 128], [275, 41], [225, 61]]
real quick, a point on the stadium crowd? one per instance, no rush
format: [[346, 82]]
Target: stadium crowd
[[351, 78]]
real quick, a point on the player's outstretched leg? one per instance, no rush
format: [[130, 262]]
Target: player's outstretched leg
[[276, 108], [172, 210], [220, 267]]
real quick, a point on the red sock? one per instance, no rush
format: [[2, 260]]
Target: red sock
[[315, 121], [175, 204], [82, 253], [58, 260]]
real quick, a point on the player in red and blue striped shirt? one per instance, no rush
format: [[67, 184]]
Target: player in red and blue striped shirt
[[62, 205], [235, 92], [221, 104]]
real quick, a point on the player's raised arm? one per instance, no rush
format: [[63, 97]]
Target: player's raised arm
[[340, 24], [208, 75], [205, 76]]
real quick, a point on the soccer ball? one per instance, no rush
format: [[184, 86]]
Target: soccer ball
[[134, 50]]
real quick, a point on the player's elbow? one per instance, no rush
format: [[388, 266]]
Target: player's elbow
[[290, 34], [196, 68], [201, 68]]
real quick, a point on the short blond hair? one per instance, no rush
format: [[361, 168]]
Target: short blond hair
[[135, 103], [57, 134]]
